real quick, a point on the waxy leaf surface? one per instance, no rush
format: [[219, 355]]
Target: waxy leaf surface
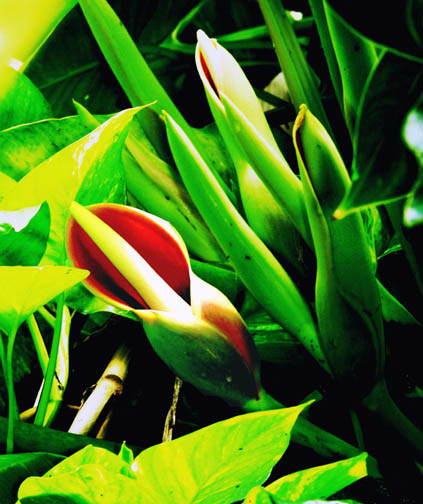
[[15, 468], [24, 289], [88, 170], [26, 146], [23, 235], [20, 100], [240, 453]]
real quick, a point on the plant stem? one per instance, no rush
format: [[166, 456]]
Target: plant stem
[[171, 414], [29, 437], [13, 410], [110, 383], [380, 403], [39, 344], [51, 368]]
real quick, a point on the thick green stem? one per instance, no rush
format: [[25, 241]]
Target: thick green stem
[[13, 410], [51, 368], [39, 344], [380, 403]]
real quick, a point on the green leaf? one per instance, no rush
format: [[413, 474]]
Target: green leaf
[[90, 455], [405, 20], [91, 475], [383, 168], [15, 468], [259, 495], [217, 464], [88, 170], [28, 288], [24, 147], [23, 235], [319, 482], [88, 484], [20, 100], [6, 184]]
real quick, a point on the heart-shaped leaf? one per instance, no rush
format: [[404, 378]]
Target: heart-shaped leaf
[[24, 289], [240, 453], [88, 170], [15, 468], [24, 147], [319, 482], [20, 100], [23, 235]]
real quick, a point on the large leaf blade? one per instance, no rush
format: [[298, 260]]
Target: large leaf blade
[[240, 453], [88, 170]]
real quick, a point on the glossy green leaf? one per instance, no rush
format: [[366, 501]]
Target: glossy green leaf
[[88, 170], [90, 455], [259, 495], [405, 20], [240, 453], [27, 288], [20, 100], [383, 168], [15, 468], [25, 147], [23, 235], [87, 484], [319, 482], [6, 184]]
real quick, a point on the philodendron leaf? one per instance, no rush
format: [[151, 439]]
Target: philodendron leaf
[[88, 484], [383, 167], [24, 289], [217, 464], [24, 147], [90, 455], [15, 468], [20, 100], [88, 170], [23, 235], [259, 495], [6, 185], [91, 475], [319, 482]]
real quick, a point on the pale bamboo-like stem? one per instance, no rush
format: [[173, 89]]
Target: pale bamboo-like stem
[[171, 414], [110, 383]]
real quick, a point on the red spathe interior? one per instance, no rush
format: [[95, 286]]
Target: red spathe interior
[[154, 244]]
